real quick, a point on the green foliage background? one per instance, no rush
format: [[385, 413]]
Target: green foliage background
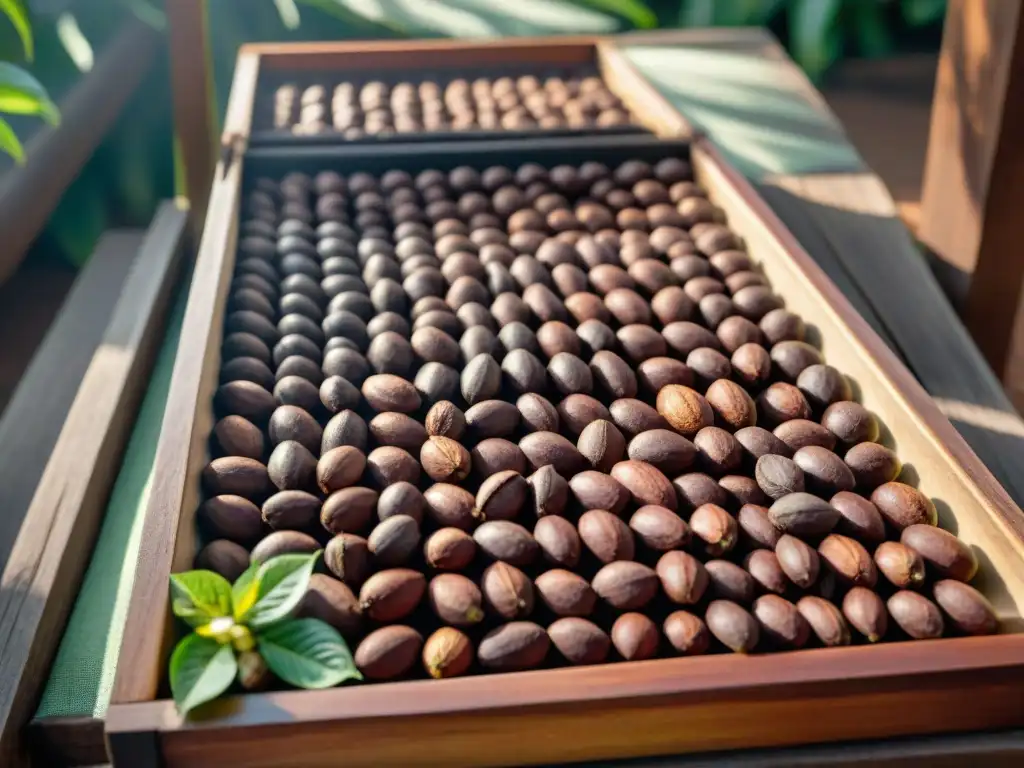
[[134, 167]]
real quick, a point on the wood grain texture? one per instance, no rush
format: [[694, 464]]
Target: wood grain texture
[[602, 712], [35, 414], [55, 155], [66, 741], [187, 421], [608, 711], [193, 100], [39, 582]]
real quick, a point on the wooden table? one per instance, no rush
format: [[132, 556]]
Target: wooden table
[[741, 88]]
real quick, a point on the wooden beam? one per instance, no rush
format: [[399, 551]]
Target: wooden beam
[[970, 215], [193, 98]]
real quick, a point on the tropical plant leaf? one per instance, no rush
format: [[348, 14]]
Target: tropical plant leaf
[[22, 94], [201, 670], [873, 36], [10, 143], [15, 11], [244, 591], [198, 597], [635, 12], [289, 13], [307, 653], [813, 34], [920, 12], [697, 13], [76, 44], [282, 582]]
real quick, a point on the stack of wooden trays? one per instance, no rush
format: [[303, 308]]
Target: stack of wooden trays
[[567, 290]]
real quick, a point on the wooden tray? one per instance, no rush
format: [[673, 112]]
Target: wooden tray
[[647, 708], [443, 60]]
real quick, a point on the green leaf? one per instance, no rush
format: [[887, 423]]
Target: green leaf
[[10, 143], [282, 582], [697, 13], [198, 597], [76, 44], [920, 12], [814, 37], [635, 12], [873, 37], [737, 13], [307, 653], [22, 94], [289, 13], [244, 591], [201, 670], [15, 11], [147, 13]]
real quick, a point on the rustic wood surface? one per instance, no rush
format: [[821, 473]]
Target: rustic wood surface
[[36, 411], [195, 124], [758, 107], [40, 580], [975, 169], [55, 154]]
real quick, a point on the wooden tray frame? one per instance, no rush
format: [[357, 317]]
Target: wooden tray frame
[[619, 710], [280, 62]]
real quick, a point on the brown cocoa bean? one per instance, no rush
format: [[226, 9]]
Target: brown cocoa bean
[[388, 465], [245, 399], [445, 460], [734, 627], [646, 485], [231, 517], [402, 498], [968, 610], [626, 585], [848, 560], [399, 430], [393, 541], [659, 528], [514, 646], [225, 557], [237, 476], [542, 448], [455, 600], [825, 620], [944, 552], [577, 411], [345, 428], [594, 490], [866, 613], [390, 595], [550, 491], [764, 567], [799, 433], [601, 444], [635, 416], [756, 526], [850, 422], [798, 561], [291, 510], [635, 637], [715, 528], [332, 602], [903, 506], [447, 653], [537, 413], [802, 514], [873, 465], [778, 476], [900, 564], [507, 590], [728, 581], [507, 541], [237, 436], [388, 652], [916, 615], [348, 510], [292, 467], [858, 518], [283, 543], [481, 379], [606, 536], [339, 468], [451, 506], [685, 409], [667, 451], [824, 472], [565, 593], [495, 454], [686, 633], [718, 452], [444, 419], [387, 392], [781, 622], [347, 556], [558, 541], [492, 418], [731, 404]]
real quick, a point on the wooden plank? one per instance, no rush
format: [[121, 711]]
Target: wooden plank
[[193, 100], [40, 580], [974, 166], [769, 121], [67, 741], [35, 414], [55, 154], [192, 381]]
